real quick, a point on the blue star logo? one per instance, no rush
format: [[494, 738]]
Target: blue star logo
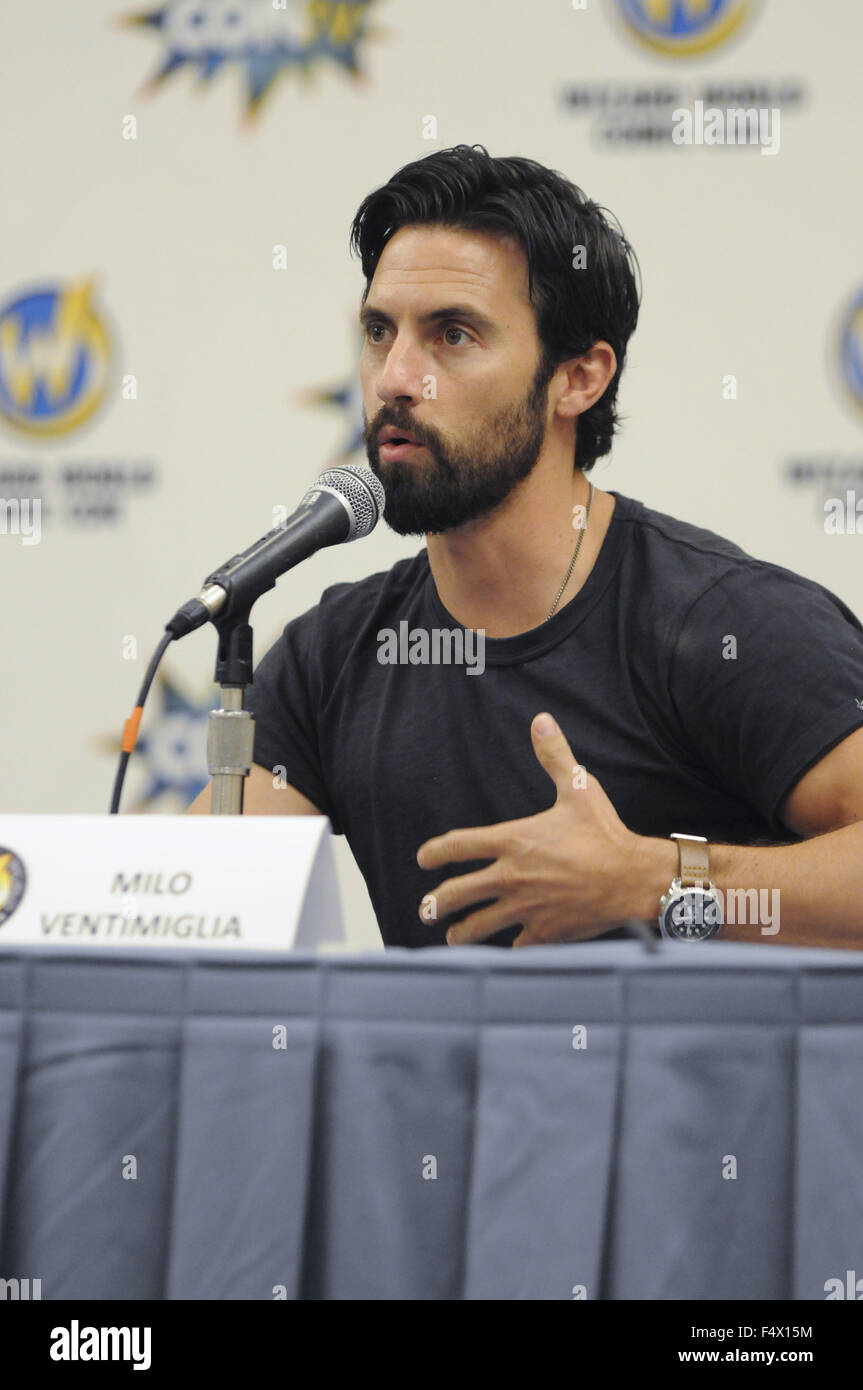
[[266, 38], [347, 398], [171, 749]]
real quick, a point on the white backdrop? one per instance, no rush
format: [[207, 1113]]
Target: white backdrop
[[168, 199]]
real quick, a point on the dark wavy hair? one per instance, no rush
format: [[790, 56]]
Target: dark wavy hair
[[464, 187]]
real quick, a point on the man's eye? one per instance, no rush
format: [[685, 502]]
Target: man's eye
[[372, 329]]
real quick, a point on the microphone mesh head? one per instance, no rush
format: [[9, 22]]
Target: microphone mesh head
[[363, 492]]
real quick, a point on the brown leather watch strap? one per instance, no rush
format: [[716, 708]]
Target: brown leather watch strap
[[694, 857]]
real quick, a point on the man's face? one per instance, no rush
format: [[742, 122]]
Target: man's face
[[451, 355]]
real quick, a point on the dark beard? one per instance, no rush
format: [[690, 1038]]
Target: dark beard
[[457, 485]]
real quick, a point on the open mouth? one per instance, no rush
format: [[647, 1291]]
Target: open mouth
[[397, 446]]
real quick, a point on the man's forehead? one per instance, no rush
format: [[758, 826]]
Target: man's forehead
[[439, 256]]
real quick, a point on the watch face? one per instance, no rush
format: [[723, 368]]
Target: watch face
[[692, 914]]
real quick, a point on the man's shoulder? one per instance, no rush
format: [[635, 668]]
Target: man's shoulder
[[351, 605], [684, 568], [687, 559], [391, 585], [663, 537]]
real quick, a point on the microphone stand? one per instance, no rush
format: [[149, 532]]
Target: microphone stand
[[341, 497], [231, 729]]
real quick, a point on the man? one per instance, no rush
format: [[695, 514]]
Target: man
[[640, 676]]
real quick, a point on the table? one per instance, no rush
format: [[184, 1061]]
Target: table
[[556, 1122]]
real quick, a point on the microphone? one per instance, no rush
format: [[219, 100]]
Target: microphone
[[342, 504]]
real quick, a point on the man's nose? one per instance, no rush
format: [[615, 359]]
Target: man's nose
[[402, 376]]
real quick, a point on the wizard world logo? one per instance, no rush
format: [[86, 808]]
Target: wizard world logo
[[54, 358], [681, 28], [265, 39]]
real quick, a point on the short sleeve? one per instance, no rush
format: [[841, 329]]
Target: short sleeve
[[766, 676], [279, 697]]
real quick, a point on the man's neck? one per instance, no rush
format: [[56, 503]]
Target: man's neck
[[503, 572]]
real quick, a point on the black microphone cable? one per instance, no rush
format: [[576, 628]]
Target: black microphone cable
[[130, 728]]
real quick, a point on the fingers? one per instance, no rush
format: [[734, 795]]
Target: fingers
[[458, 893], [480, 842], [555, 754], [481, 924]]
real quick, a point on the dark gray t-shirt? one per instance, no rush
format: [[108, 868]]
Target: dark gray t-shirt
[[696, 683]]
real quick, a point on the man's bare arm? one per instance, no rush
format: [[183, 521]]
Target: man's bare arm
[[819, 882], [261, 798]]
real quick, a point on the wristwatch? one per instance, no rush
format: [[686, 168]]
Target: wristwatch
[[691, 910]]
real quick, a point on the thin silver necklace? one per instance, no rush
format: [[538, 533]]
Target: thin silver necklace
[[574, 554]]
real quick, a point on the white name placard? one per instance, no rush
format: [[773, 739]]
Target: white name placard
[[263, 883]]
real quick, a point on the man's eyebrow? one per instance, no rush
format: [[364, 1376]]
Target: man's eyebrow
[[451, 311]]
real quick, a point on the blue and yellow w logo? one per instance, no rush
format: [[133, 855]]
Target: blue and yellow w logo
[[683, 27], [53, 359]]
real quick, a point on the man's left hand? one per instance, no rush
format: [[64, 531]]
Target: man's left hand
[[565, 874]]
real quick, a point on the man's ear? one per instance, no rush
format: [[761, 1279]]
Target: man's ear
[[586, 379]]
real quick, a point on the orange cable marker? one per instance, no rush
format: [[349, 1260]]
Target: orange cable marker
[[130, 729]]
